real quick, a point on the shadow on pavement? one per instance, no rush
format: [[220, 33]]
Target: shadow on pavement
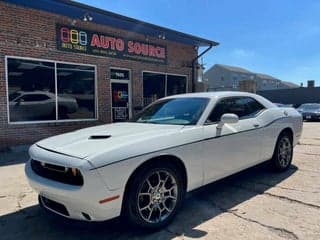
[[16, 155], [199, 207]]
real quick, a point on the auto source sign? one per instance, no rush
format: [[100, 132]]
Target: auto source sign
[[95, 43]]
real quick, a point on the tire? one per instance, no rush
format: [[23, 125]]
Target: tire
[[283, 152], [154, 196]]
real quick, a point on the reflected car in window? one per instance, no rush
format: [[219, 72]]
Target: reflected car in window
[[142, 169], [38, 105]]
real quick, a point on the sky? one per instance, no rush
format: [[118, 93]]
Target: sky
[[276, 37]]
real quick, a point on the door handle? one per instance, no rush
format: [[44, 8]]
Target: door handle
[[256, 125]]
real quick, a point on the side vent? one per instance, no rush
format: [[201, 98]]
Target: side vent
[[99, 136]]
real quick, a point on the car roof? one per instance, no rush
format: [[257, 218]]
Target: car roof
[[217, 94], [34, 92], [310, 104], [223, 94]]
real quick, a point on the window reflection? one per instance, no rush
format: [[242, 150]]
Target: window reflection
[[76, 91], [31, 88], [153, 87], [176, 84], [32, 91], [157, 85]]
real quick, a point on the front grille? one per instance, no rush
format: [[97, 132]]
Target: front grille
[[57, 173], [55, 206]]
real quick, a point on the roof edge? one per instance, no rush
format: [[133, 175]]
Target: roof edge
[[134, 20]]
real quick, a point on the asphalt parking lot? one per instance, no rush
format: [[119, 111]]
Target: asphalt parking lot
[[256, 204]]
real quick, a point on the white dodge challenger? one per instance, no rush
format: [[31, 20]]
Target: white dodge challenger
[[143, 168]]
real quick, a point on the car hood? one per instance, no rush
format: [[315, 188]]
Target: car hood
[[93, 141]]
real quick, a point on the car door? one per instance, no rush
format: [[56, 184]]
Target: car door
[[33, 106], [234, 146]]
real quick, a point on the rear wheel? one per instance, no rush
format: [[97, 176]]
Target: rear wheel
[[282, 156], [154, 196]]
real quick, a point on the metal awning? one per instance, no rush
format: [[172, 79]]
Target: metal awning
[[76, 10]]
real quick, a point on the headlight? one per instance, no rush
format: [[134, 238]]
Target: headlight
[[57, 173]]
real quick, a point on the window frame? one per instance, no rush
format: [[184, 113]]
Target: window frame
[[242, 118], [56, 93]]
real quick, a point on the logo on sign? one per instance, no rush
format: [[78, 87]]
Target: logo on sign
[[89, 42], [120, 95]]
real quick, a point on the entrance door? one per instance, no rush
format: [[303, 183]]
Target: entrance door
[[120, 101]]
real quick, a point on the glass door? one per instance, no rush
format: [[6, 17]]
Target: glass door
[[120, 94]]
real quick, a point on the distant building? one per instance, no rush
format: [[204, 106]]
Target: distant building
[[294, 96], [223, 77]]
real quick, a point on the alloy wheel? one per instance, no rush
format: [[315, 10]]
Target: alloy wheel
[[157, 196], [284, 152]]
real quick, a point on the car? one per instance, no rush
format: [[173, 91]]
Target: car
[[310, 111], [33, 105], [283, 105], [142, 169]]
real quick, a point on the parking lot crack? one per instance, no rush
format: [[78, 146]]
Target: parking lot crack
[[284, 188], [308, 144], [282, 232], [278, 197], [308, 170], [312, 154]]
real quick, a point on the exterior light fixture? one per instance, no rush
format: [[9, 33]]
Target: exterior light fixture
[[162, 36], [87, 17]]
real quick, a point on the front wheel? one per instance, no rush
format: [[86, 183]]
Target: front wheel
[[154, 196], [283, 153]]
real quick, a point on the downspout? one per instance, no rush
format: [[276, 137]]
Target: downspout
[[193, 84]]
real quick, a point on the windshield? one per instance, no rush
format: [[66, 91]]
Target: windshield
[[13, 96], [309, 106], [177, 111]]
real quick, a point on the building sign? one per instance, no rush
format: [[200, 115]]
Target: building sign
[[89, 42]]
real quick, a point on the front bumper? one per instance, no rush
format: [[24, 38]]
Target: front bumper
[[79, 201]]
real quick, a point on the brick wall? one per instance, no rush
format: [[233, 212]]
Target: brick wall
[[26, 32]]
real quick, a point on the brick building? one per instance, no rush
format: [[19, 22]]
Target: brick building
[[222, 77], [65, 65]]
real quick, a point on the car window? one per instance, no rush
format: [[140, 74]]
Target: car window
[[179, 111], [309, 106], [243, 107], [34, 97]]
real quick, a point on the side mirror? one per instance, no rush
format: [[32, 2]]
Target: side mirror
[[228, 118]]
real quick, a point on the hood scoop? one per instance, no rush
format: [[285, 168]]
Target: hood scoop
[[99, 137]]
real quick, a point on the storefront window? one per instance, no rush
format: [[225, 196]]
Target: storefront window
[[176, 84], [153, 87], [158, 85], [76, 99], [32, 91]]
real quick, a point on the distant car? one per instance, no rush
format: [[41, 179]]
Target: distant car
[[310, 111], [142, 169], [283, 105], [25, 105]]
